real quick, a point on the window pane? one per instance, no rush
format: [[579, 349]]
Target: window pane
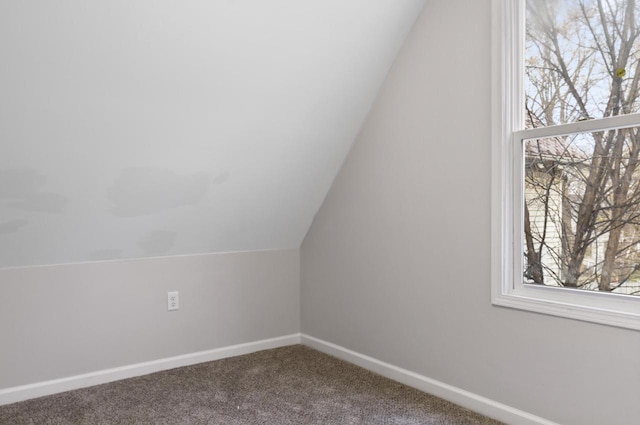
[[581, 60], [582, 211]]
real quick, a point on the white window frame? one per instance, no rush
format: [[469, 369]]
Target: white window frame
[[508, 288]]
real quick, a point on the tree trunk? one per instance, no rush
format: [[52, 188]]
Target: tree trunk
[[534, 262]]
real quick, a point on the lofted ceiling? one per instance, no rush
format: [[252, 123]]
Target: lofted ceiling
[[143, 128]]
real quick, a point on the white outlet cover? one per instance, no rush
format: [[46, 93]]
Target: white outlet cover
[[173, 300]]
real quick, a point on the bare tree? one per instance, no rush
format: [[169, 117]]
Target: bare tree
[[582, 63]]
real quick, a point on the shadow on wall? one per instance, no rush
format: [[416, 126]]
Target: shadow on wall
[[136, 192], [158, 242], [12, 226], [152, 244], [21, 189], [146, 190], [105, 254]]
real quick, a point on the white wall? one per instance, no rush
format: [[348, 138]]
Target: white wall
[[133, 129], [396, 264], [156, 128], [61, 321]]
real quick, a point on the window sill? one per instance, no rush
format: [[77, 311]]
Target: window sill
[[607, 309]]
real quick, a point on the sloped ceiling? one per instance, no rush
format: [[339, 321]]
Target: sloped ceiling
[[133, 128]]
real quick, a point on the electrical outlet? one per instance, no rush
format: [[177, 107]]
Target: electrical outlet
[[173, 300]]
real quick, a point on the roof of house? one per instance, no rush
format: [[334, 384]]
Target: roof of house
[[558, 148]]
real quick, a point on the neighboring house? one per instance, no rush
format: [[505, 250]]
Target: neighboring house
[[555, 170], [545, 189]]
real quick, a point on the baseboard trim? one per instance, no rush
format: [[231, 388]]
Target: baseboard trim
[[469, 400], [448, 392], [25, 392]]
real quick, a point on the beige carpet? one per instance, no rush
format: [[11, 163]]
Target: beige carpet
[[290, 385]]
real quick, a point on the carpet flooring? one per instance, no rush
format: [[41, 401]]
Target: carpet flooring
[[289, 385]]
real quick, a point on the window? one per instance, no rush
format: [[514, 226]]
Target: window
[[566, 158]]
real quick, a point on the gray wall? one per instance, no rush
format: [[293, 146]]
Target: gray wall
[[396, 264], [60, 321]]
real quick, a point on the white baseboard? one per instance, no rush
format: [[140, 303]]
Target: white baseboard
[[456, 395], [25, 392], [461, 397]]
